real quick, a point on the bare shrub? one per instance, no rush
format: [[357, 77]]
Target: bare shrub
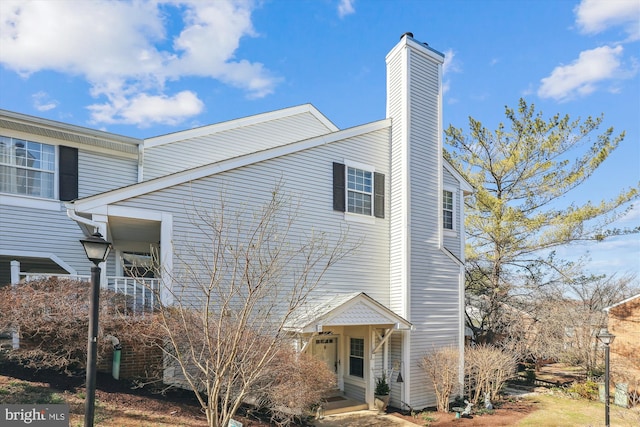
[[299, 383], [487, 368], [52, 316], [442, 368]]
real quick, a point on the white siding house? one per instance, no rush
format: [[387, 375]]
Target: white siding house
[[398, 295], [44, 164]]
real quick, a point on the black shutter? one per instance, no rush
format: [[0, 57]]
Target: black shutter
[[338, 187], [378, 201], [68, 179]]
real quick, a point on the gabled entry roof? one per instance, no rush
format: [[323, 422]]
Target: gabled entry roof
[[347, 309]]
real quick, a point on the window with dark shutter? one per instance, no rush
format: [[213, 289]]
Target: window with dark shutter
[[378, 188], [338, 187], [68, 180], [358, 190]]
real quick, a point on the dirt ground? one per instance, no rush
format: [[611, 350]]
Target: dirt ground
[[507, 415], [182, 407]]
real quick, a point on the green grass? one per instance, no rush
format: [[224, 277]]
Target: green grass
[[559, 411], [24, 392]]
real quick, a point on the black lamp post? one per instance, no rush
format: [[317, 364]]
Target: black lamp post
[[97, 250], [606, 338]]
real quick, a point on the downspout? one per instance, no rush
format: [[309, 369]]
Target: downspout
[[89, 227], [117, 350], [85, 221]]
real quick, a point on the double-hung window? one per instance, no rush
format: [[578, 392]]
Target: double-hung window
[[358, 190], [447, 210], [356, 357], [27, 168]]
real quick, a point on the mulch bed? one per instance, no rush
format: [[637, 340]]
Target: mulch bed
[[120, 393]]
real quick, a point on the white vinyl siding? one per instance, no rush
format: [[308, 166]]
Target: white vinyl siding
[[398, 182], [98, 172], [419, 267], [434, 309], [26, 230], [173, 157], [364, 269]]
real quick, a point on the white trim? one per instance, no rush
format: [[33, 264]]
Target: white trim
[[44, 255], [30, 202], [464, 184], [166, 258], [359, 218], [58, 133], [448, 253], [462, 237], [160, 183], [356, 165], [241, 122], [631, 298], [462, 327], [136, 213]]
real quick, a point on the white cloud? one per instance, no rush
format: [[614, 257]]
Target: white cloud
[[449, 66], [632, 216], [595, 16], [345, 7], [124, 51], [146, 110], [41, 101], [583, 75]]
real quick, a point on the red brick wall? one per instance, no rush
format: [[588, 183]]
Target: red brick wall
[[135, 362], [624, 323]]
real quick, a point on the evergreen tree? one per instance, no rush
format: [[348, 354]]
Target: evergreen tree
[[523, 175]]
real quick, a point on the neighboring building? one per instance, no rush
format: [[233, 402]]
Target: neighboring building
[[623, 321], [399, 295]]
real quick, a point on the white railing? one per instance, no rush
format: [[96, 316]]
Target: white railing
[[141, 294]]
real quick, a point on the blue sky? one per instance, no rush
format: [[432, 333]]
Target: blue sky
[[147, 68]]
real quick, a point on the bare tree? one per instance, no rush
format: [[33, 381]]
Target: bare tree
[[557, 321], [584, 315], [226, 328]]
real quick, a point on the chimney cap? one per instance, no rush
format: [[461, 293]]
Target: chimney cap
[[408, 33]]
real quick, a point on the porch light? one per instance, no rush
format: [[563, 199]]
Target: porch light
[[400, 379], [96, 247]]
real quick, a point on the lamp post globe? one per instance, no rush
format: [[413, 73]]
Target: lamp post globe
[[96, 248]]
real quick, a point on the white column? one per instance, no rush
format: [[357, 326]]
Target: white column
[[15, 279]]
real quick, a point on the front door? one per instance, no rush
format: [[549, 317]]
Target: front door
[[326, 349]]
